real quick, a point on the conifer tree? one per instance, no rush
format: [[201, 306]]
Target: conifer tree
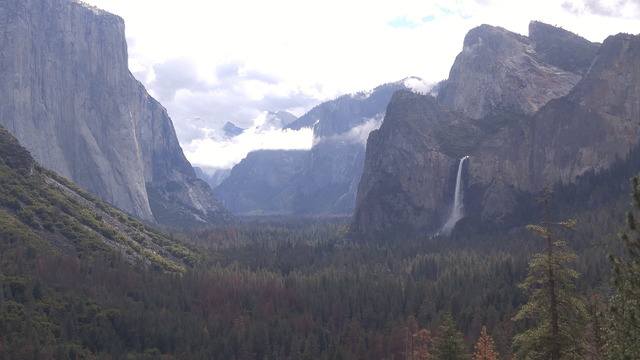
[[485, 347], [449, 345], [624, 327], [557, 314], [594, 330], [412, 327], [421, 345]]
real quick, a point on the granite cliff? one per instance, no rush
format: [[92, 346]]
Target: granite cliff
[[406, 169], [585, 131], [553, 110], [501, 70], [68, 96]]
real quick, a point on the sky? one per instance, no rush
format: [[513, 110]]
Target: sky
[[210, 62]]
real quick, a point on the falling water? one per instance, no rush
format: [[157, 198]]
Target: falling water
[[456, 211]]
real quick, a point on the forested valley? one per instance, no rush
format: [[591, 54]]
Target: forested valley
[[284, 288], [553, 274], [81, 280]]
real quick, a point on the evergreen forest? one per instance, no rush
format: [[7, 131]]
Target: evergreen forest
[[72, 287]]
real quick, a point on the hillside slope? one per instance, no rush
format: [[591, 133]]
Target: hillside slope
[[46, 211]]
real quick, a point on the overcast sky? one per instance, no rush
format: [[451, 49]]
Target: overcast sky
[[209, 62]]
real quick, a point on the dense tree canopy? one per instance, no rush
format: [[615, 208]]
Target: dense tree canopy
[[625, 305], [265, 288]]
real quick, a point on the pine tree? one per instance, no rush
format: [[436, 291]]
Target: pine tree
[[485, 347], [449, 345], [556, 312], [624, 327], [421, 345], [594, 334], [412, 327]]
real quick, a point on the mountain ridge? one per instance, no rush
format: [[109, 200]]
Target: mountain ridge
[[325, 180]]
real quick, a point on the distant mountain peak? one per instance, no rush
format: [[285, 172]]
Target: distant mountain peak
[[231, 130], [278, 119]]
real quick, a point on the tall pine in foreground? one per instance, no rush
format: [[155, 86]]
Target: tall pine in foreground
[[555, 313], [624, 342], [449, 345]]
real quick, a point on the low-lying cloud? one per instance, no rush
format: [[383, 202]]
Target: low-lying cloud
[[356, 135], [216, 152], [420, 86], [234, 93]]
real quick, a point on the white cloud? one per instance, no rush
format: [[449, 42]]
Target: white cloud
[[626, 9], [215, 151], [419, 85], [210, 62], [355, 135]]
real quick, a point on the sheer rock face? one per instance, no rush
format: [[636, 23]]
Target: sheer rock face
[[406, 172], [597, 122], [69, 98], [587, 130], [498, 69], [409, 172]]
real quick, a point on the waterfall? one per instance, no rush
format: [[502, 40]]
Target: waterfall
[[456, 211]]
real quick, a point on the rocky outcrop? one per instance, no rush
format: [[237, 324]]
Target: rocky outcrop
[[69, 98], [411, 161], [595, 124], [500, 70]]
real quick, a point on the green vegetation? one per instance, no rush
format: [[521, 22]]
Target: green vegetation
[[450, 345], [80, 280], [625, 306], [458, 140], [558, 315], [54, 211]]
